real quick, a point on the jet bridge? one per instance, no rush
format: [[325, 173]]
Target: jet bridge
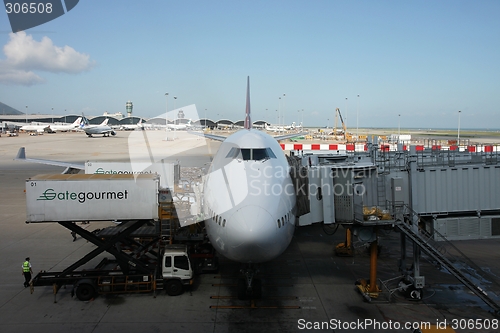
[[417, 191]]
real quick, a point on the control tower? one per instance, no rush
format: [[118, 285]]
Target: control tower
[[129, 106]]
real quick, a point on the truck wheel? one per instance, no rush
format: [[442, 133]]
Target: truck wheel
[[85, 292], [174, 288]]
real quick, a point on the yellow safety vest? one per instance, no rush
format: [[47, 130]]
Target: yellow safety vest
[[26, 266]]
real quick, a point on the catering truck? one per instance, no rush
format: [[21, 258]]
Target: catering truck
[[144, 258], [172, 273]]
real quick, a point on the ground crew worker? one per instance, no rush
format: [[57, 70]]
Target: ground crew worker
[[27, 272]]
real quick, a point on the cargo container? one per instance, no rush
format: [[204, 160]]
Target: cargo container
[[168, 172], [56, 198]]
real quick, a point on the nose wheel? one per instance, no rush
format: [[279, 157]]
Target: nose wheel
[[249, 287]]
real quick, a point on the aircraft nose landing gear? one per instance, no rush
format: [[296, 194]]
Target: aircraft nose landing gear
[[249, 287]]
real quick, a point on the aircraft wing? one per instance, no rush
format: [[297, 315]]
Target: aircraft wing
[[209, 136], [222, 138], [289, 136], [70, 167]]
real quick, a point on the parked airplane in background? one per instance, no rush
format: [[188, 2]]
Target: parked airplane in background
[[103, 128], [246, 221], [180, 126], [272, 128], [66, 127], [36, 128], [132, 127], [51, 127]]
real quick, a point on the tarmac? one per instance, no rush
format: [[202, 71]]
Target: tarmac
[[308, 288]]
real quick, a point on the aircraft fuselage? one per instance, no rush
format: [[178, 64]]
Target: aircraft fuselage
[[249, 199]]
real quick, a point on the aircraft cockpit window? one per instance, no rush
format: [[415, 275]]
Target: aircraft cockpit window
[[251, 154], [247, 154], [270, 153], [259, 154], [234, 153]]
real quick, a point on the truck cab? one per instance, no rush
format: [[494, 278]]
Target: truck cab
[[176, 269]]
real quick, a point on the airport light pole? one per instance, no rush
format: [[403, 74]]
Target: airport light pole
[[175, 129], [357, 118], [458, 133], [279, 114], [346, 113], [205, 118], [52, 115], [284, 110], [166, 115], [399, 126], [26, 114]]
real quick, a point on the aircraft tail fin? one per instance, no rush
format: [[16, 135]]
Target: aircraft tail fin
[[248, 121], [77, 122], [21, 154]]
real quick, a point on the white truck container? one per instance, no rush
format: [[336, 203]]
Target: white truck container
[[55, 198]]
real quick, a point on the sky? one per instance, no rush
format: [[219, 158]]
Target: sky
[[412, 63]]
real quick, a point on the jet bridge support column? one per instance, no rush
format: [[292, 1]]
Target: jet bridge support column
[[370, 289]]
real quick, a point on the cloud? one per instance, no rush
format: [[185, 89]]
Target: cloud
[[25, 55]]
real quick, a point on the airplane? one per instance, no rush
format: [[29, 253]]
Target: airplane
[[131, 127], [66, 127], [34, 128], [179, 126], [249, 199], [271, 128], [51, 127], [103, 128]]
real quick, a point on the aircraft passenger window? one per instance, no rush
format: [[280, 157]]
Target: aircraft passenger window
[[279, 225], [220, 220], [181, 262], [282, 221], [224, 223]]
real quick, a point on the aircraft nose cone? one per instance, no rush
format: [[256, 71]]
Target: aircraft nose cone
[[253, 235]]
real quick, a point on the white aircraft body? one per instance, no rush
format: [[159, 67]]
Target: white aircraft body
[[249, 200], [132, 127], [103, 128], [35, 128], [66, 127], [179, 126], [275, 128]]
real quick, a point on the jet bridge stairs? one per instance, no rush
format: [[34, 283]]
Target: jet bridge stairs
[[444, 253]]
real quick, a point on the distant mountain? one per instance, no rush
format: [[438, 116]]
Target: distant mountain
[[7, 110]]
